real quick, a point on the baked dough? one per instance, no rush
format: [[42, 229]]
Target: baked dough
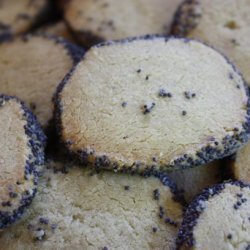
[[218, 219], [31, 68], [85, 210], [152, 103], [21, 152]]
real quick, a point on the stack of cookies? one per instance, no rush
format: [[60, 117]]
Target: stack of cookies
[[124, 124]]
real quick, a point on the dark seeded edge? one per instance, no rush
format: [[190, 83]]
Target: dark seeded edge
[[75, 52], [195, 209], [36, 141], [88, 38], [204, 155], [185, 18]]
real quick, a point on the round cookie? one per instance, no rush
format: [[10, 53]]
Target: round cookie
[[192, 181], [85, 210], [21, 151], [58, 29], [95, 21], [230, 32], [31, 68], [240, 167], [218, 219], [141, 104], [17, 16]]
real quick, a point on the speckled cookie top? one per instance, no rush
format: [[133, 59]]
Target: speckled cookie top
[[112, 19], [18, 16], [21, 151], [219, 218], [31, 68], [152, 103], [83, 209], [229, 32]]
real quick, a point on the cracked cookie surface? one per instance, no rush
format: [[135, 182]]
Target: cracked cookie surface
[[82, 209], [152, 102]]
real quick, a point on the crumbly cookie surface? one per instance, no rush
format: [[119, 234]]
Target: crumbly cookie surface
[[32, 67], [85, 210], [152, 103], [21, 151], [218, 219], [222, 24], [94, 21]]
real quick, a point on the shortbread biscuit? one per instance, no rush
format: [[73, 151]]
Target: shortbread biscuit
[[223, 24], [219, 218], [152, 103], [21, 152], [80, 209], [17, 17], [32, 67], [95, 21]]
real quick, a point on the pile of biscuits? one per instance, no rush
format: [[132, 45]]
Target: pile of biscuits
[[124, 124]]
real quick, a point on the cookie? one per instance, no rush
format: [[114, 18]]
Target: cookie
[[85, 210], [31, 68], [193, 181], [230, 32], [22, 150], [140, 104], [17, 17], [95, 21], [218, 219], [58, 29], [240, 167]]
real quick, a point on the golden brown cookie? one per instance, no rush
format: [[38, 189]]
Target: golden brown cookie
[[81, 209], [152, 103], [21, 152], [18, 16], [95, 21], [219, 218], [32, 67], [222, 24]]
